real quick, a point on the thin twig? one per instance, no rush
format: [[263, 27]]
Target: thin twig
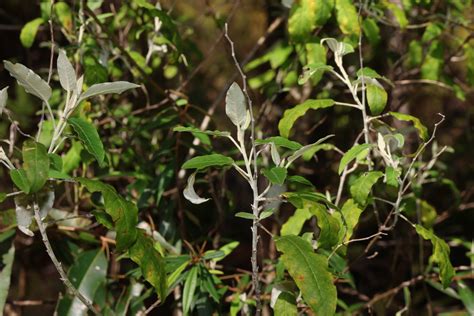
[[57, 264]]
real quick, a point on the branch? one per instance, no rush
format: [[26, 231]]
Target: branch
[[57, 264]]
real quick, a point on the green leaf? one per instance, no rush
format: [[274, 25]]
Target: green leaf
[[5, 275], [310, 273], [376, 97], [328, 225], [306, 15], [32, 83], [415, 54], [280, 141], [236, 105], [371, 31], [107, 88], [89, 136], [36, 164], [440, 254], [87, 273], [312, 70], [206, 161], [189, 289], [123, 213], [151, 263], [432, 31], [198, 131], [305, 149], [466, 295], [28, 32], [347, 17], [353, 153], [432, 66], [391, 176], [55, 162], [348, 219], [368, 72], [295, 223], [64, 14], [361, 187], [398, 13], [291, 115], [298, 198], [67, 74], [276, 175], [245, 215], [422, 130], [20, 179], [285, 305]]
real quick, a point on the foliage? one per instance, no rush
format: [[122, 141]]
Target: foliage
[[154, 202]]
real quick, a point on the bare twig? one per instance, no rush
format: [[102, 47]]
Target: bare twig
[[57, 264]]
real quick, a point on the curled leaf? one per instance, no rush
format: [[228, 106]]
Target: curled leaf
[[189, 192]]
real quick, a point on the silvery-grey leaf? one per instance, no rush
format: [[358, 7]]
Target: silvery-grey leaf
[[32, 83], [24, 215], [236, 105], [273, 196], [46, 203], [275, 155], [189, 192], [106, 88], [3, 99], [67, 74]]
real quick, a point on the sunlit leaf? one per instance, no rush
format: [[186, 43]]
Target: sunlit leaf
[[28, 32], [422, 130], [310, 272], [352, 154], [347, 17], [440, 254], [361, 187], [376, 97]]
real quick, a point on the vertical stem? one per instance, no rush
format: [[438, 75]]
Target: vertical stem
[[250, 160], [56, 262]]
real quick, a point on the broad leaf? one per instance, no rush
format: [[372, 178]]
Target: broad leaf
[[189, 192], [67, 74], [5, 274], [398, 13], [32, 83], [236, 105], [295, 223], [298, 199], [348, 218], [203, 162], [306, 15], [376, 97], [87, 273], [195, 130], [440, 254], [20, 179], [189, 289], [371, 31], [151, 263], [310, 273], [89, 136], [285, 305], [352, 154], [124, 213], [36, 164], [328, 226], [28, 32], [347, 17], [276, 175], [422, 130], [291, 115], [361, 187], [107, 88]]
